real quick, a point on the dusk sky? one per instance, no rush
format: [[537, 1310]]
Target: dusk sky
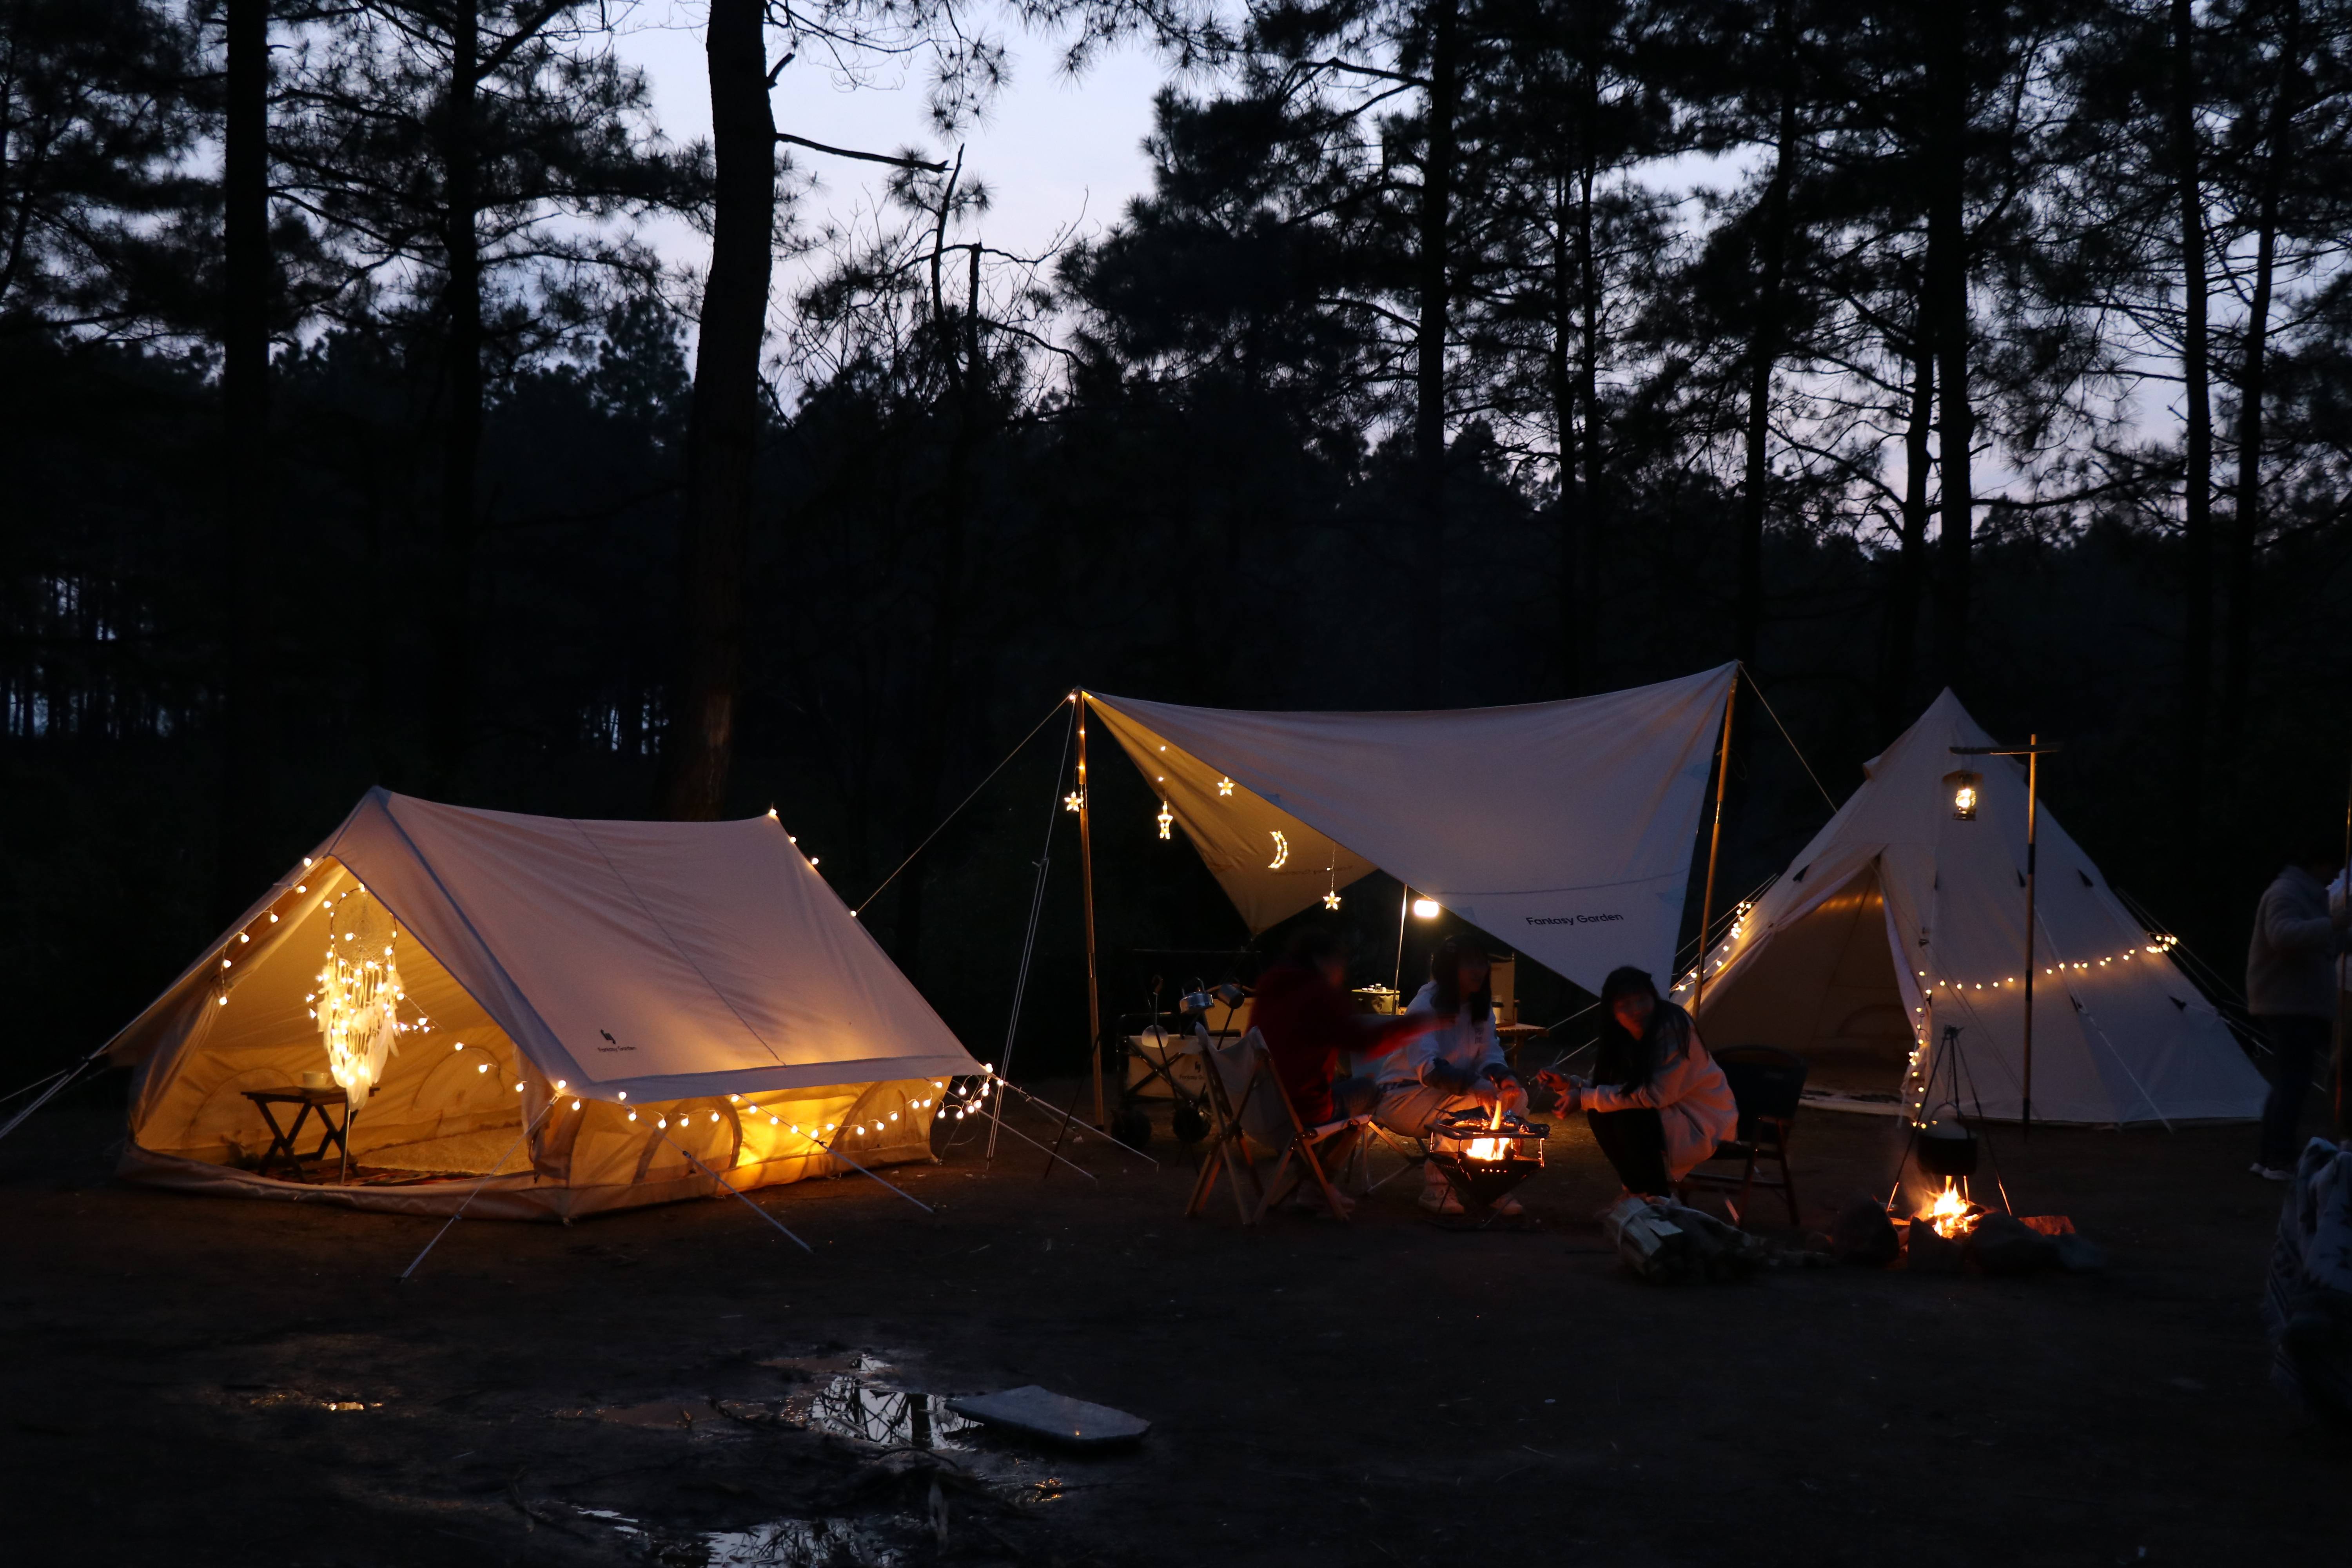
[[1054, 151]]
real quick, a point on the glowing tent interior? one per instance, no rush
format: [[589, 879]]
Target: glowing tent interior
[[629, 993], [1905, 917]]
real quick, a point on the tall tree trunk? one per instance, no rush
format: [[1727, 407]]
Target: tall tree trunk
[[934, 722], [2237, 629], [249, 519], [1595, 493], [1575, 610], [1429, 400], [722, 432], [1763, 353], [1947, 274], [450, 726], [2197, 479], [1900, 630]]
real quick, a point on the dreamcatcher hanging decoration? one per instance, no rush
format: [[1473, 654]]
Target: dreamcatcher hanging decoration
[[357, 1002]]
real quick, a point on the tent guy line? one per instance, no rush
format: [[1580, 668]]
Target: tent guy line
[[487, 1177], [957, 809]]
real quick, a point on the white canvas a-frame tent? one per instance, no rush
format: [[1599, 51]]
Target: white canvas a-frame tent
[[1900, 920], [1563, 828], [632, 993]]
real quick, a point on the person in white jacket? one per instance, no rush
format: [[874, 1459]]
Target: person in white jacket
[[1457, 1066], [1657, 1103]]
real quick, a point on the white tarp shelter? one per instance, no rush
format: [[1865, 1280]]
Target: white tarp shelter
[[1562, 829], [1900, 920], [601, 978]]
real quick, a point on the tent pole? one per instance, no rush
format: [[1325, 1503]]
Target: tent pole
[[2343, 1111], [2032, 814], [1714, 846], [1086, 876], [1404, 902]]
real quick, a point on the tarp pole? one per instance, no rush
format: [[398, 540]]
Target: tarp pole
[[1087, 876], [1713, 844]]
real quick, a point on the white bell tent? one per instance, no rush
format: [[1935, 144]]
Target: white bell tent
[[1901, 920], [627, 993], [1563, 828]]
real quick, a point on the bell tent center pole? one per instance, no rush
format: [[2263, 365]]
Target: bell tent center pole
[[2033, 815], [2031, 751], [1713, 845], [1086, 876], [2343, 1126]]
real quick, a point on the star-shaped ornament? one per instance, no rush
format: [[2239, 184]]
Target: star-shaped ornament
[[1225, 787], [1331, 901]]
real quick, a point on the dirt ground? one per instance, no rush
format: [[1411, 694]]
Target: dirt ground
[[639, 1387]]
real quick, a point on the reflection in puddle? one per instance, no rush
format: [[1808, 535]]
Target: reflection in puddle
[[848, 1405], [783, 1544], [791, 1542]]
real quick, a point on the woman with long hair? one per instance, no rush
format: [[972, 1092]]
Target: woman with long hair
[[1457, 1065], [1657, 1103]]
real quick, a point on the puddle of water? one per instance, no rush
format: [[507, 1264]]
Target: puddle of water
[[858, 1407], [781, 1543]]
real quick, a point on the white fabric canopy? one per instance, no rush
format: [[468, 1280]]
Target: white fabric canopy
[[1898, 913], [1564, 829]]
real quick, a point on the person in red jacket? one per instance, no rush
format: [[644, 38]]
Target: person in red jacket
[[1309, 1021]]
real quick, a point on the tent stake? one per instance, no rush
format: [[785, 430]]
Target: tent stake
[[476, 1193], [860, 1170], [1087, 876], [739, 1195], [1714, 846]]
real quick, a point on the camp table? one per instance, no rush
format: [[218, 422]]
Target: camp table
[[281, 1140]]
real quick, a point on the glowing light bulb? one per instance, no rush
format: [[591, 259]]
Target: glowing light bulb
[[632, 1116], [661, 1121], [242, 937], [624, 1094], [273, 917], [575, 1105], [483, 1067], [1426, 908], [558, 1085], [461, 1044]]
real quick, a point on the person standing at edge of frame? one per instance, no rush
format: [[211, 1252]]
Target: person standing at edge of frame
[[2290, 990]]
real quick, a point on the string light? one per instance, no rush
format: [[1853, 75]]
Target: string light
[[1225, 787], [1073, 801], [1331, 900], [1281, 850], [1166, 819]]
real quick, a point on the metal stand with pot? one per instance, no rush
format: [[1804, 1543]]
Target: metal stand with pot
[[1945, 1148]]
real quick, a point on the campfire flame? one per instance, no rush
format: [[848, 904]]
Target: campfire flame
[[1486, 1150], [1950, 1214]]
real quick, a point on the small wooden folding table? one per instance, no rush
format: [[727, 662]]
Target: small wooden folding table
[[281, 1140]]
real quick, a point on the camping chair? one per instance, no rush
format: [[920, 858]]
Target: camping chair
[[1231, 1084], [1249, 1104], [1767, 1084]]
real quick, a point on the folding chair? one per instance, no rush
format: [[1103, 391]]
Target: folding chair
[[1231, 1083], [1250, 1104], [1766, 1084]]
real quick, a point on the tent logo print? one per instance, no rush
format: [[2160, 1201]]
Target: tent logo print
[[1570, 919], [611, 1044]]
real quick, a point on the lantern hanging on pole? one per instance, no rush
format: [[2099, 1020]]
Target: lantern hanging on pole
[[1968, 791]]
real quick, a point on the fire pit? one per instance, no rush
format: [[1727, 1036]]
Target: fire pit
[[1486, 1155]]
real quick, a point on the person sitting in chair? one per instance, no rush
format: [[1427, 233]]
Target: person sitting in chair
[[1457, 1065], [1308, 1021], [1657, 1103]]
